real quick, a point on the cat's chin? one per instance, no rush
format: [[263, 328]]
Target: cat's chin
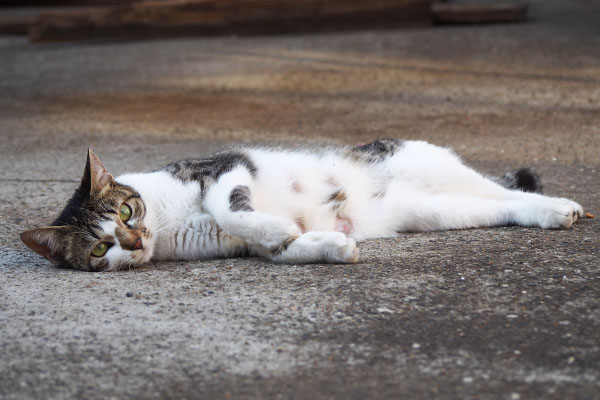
[[143, 257], [137, 259]]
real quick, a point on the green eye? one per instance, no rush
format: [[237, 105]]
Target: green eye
[[100, 249], [124, 212]]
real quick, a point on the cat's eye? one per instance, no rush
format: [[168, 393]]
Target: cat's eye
[[124, 212], [100, 249]]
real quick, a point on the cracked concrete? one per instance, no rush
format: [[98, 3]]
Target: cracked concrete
[[503, 313]]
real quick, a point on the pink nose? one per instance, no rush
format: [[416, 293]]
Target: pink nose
[[138, 244]]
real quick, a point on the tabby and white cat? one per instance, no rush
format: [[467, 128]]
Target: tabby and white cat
[[291, 206]]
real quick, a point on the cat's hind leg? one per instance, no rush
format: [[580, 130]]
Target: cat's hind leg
[[422, 166], [424, 212], [544, 211]]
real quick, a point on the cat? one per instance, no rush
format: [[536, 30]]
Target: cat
[[289, 206]]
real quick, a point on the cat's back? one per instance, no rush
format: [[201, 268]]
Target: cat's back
[[300, 168]]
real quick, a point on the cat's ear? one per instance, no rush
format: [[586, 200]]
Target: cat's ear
[[47, 241], [95, 177]]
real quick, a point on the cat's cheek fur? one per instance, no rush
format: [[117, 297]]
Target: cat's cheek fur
[[115, 259]]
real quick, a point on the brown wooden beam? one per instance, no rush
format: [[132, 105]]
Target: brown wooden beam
[[145, 19], [472, 13], [17, 20], [15, 24], [62, 3]]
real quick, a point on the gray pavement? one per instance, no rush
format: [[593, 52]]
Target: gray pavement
[[507, 313]]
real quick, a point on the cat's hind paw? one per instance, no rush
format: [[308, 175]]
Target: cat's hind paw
[[560, 214]]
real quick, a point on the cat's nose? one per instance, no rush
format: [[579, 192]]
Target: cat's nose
[[138, 245]]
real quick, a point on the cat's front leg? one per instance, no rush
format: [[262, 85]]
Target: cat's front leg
[[201, 238], [314, 247], [229, 201]]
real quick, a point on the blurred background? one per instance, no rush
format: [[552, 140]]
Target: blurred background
[[487, 77]]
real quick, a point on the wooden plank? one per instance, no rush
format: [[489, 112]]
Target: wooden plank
[[15, 24], [470, 13], [62, 3], [145, 19], [17, 20]]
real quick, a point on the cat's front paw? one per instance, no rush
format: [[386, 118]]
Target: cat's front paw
[[273, 232], [347, 252], [336, 247], [560, 213]]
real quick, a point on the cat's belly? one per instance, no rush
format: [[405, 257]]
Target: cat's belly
[[325, 194]]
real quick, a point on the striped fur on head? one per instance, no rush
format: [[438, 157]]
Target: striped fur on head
[[80, 226]]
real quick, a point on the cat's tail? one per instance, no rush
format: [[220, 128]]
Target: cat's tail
[[522, 179]]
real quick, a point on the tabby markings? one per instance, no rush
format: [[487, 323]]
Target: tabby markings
[[239, 199], [336, 199]]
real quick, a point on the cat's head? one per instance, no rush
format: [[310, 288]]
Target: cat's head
[[101, 228]]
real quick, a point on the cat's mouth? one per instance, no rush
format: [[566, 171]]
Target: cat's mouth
[[138, 255], [136, 259], [144, 253]]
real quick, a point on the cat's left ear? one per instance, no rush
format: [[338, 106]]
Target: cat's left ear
[[95, 177], [47, 241]]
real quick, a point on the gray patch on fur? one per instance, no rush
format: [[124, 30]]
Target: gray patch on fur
[[209, 169], [377, 151], [239, 199]]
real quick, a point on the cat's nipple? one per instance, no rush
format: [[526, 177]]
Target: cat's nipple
[[343, 225]]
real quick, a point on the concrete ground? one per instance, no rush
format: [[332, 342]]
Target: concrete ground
[[506, 313]]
